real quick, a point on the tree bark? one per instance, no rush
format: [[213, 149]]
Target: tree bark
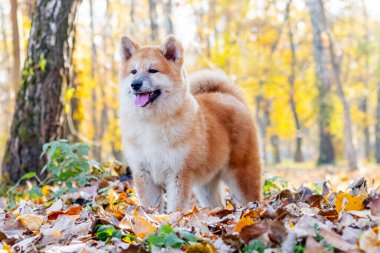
[[38, 114], [153, 20], [16, 76], [275, 141], [318, 23]]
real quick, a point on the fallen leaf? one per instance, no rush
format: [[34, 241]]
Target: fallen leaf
[[313, 246], [336, 240], [348, 202], [368, 241], [31, 221], [72, 211], [245, 221], [253, 231], [374, 205], [138, 224]]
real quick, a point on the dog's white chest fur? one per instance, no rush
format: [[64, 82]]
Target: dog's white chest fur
[[153, 148]]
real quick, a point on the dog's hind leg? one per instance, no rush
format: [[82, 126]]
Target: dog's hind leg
[[209, 194], [244, 184]]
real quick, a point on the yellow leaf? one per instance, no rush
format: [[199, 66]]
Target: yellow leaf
[[348, 202], [31, 221], [142, 227], [204, 247], [229, 206], [245, 221], [7, 248], [45, 190]]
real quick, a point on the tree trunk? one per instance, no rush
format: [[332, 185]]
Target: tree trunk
[[153, 20], [168, 12], [326, 148], [364, 103], [377, 126], [96, 149], [7, 66], [16, 76], [347, 121], [38, 114], [298, 155], [275, 141]]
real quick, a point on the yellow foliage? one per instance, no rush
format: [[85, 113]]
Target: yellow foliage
[[348, 202]]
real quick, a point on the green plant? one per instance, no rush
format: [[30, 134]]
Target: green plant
[[167, 237], [104, 232], [274, 184], [68, 166], [254, 246], [299, 248]]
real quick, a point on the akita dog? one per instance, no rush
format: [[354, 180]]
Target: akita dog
[[184, 135]]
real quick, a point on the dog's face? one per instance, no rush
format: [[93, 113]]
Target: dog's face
[[152, 77]]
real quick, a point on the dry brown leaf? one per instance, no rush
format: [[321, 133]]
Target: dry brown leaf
[[31, 221], [336, 240], [374, 205], [253, 231], [312, 246], [368, 241]]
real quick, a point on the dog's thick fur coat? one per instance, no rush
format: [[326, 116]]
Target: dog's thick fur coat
[[196, 134]]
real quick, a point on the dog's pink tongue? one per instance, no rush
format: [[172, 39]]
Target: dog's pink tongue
[[142, 99]]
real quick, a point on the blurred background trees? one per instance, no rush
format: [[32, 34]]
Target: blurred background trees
[[310, 69]]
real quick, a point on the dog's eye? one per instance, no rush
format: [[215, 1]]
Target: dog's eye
[[152, 71], [134, 71]]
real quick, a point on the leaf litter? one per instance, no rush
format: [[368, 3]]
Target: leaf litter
[[105, 216]]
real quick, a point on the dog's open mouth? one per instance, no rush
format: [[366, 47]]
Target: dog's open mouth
[[144, 98]]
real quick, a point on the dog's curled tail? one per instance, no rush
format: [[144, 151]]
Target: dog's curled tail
[[210, 80]]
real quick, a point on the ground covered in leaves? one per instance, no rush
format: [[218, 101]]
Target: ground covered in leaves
[[89, 211]]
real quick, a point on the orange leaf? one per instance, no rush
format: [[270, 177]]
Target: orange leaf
[[245, 221], [72, 211]]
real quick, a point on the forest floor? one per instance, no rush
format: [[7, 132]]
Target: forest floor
[[339, 213]]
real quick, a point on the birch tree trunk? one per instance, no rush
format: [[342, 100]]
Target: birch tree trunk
[[318, 23], [38, 114]]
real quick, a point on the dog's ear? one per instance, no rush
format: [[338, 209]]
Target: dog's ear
[[128, 48], [172, 49]]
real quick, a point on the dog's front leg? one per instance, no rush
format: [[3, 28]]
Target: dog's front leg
[[148, 193], [178, 191]]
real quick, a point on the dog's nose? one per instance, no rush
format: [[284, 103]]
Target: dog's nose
[[136, 84]]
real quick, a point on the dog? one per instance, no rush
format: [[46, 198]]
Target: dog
[[184, 135]]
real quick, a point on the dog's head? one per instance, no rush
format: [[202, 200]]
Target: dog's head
[[152, 77]]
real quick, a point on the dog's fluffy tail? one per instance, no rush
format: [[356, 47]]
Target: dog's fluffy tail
[[208, 81]]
